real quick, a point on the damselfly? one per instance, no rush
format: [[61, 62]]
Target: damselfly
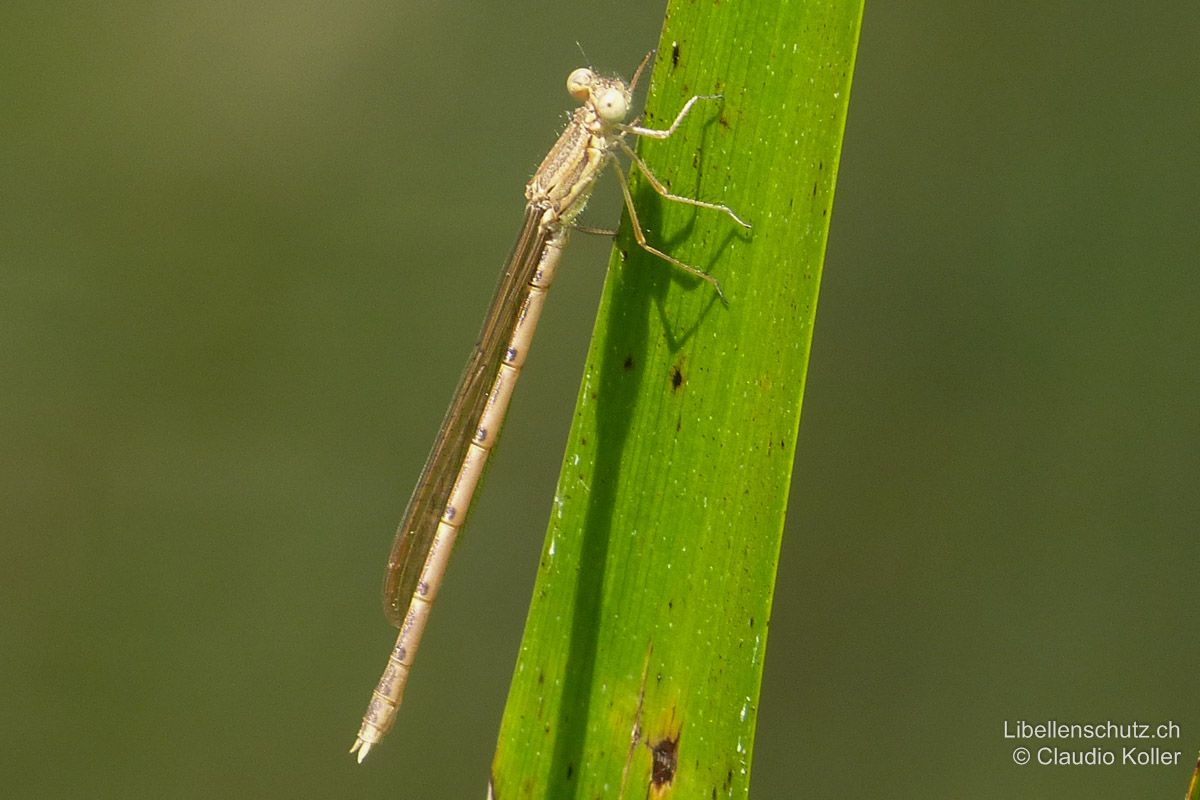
[[555, 196]]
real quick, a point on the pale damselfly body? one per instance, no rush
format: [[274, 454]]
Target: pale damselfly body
[[438, 508]]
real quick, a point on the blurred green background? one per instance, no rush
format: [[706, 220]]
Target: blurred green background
[[244, 252]]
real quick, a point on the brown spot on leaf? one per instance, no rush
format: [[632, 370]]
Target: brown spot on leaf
[[665, 754], [663, 744]]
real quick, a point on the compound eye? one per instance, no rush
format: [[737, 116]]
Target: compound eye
[[579, 83], [612, 106]]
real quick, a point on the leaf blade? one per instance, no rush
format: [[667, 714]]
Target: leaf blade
[[643, 650]]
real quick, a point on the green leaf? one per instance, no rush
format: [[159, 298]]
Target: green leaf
[[642, 657]]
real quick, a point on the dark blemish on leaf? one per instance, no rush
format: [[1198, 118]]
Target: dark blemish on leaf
[[628, 362], [666, 759], [676, 378], [674, 54], [570, 771]]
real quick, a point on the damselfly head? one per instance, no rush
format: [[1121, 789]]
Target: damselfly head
[[609, 96]]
